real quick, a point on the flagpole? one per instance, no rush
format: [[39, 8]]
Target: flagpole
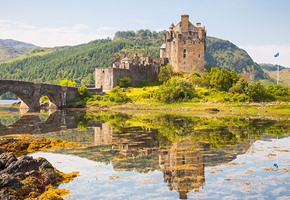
[[278, 74]]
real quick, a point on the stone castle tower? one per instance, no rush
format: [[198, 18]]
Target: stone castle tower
[[185, 46]]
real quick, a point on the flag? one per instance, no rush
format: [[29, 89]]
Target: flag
[[276, 55]]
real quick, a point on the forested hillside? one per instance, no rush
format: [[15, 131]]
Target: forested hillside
[[78, 62], [224, 54]]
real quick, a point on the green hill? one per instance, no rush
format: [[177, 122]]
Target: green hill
[[12, 49], [284, 73], [78, 62], [271, 67], [224, 54]]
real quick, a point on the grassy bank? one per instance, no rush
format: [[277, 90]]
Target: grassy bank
[[142, 99]]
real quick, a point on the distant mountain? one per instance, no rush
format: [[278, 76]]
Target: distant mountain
[[284, 73], [271, 67], [79, 62], [12, 49]]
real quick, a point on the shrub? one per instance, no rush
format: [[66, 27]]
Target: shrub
[[175, 89], [239, 87], [125, 82], [66, 82], [278, 90], [44, 99], [117, 95], [257, 92], [83, 91], [165, 73], [222, 79]]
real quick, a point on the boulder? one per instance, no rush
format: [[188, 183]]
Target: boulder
[[20, 177]]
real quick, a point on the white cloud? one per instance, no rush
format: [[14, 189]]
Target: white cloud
[[265, 54], [49, 36], [106, 28]]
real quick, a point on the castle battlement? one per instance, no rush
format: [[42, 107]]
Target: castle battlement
[[185, 46], [184, 49]]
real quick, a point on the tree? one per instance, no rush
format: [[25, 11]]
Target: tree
[[239, 87], [222, 79], [66, 82], [175, 89], [125, 82], [257, 92], [165, 73]]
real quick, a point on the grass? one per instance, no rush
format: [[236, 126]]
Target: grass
[[142, 100]]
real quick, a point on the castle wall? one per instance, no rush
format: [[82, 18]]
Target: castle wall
[[107, 78], [140, 73]]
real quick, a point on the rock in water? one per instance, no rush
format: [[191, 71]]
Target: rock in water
[[26, 177]]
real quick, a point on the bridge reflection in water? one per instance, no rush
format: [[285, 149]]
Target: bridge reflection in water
[[32, 124]]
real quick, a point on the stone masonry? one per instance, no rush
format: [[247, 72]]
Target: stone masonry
[[184, 50], [185, 46], [139, 69]]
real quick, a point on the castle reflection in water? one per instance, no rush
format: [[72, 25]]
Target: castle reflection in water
[[138, 149]]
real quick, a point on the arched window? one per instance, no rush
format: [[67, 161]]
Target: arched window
[[184, 53]]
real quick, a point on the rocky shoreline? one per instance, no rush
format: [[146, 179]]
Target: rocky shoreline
[[23, 177]]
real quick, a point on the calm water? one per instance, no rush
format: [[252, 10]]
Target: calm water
[[8, 101], [165, 156]]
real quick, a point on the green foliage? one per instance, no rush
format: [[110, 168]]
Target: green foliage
[[66, 82], [118, 96], [221, 79], [225, 54], [165, 73], [175, 89], [125, 82], [278, 90], [44, 99], [83, 91], [239, 87], [257, 92]]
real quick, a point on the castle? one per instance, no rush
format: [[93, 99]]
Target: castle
[[184, 50]]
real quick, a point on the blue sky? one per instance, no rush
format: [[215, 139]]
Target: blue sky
[[261, 27]]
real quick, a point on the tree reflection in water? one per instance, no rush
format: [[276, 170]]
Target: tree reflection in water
[[180, 146]]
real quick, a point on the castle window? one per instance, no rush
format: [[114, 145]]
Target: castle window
[[198, 55], [184, 53]]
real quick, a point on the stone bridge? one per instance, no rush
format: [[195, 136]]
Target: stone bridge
[[31, 92], [57, 121]]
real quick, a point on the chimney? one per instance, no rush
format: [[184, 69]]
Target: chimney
[[122, 55], [184, 23]]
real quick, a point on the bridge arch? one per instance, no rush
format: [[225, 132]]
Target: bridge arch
[[30, 93]]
